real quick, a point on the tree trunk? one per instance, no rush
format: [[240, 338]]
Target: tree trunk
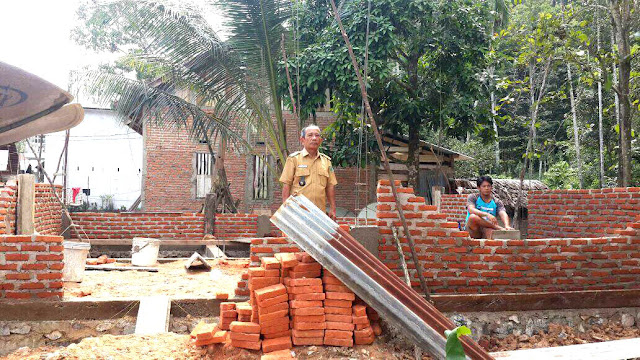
[[576, 133], [600, 128], [621, 19], [495, 130]]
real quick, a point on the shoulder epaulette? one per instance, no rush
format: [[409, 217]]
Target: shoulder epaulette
[[294, 153], [326, 156]]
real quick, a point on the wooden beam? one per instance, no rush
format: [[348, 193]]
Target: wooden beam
[[608, 350], [25, 222]]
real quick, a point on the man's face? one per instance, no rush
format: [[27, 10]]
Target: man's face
[[311, 140], [485, 188]]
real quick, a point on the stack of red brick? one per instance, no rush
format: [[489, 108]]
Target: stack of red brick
[[294, 301]]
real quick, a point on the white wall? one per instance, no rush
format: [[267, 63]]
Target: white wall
[[104, 156]]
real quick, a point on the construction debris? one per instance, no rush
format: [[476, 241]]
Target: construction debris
[[197, 262]]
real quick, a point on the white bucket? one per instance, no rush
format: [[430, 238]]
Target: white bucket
[[144, 251], [75, 259]]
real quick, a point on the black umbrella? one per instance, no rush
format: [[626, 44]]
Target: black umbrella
[[30, 106]]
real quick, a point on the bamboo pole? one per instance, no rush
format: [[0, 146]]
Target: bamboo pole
[[385, 160]]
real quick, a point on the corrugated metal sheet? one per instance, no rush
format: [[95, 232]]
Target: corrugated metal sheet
[[336, 250]]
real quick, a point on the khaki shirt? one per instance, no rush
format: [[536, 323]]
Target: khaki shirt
[[317, 173]]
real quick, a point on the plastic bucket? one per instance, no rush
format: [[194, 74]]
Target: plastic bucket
[[144, 251], [75, 259]]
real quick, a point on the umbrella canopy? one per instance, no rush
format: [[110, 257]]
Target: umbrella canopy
[[30, 106]]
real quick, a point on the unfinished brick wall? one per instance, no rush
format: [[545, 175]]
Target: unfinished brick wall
[[48, 211], [8, 198], [582, 213], [455, 206], [454, 263], [234, 226], [31, 267], [129, 225]]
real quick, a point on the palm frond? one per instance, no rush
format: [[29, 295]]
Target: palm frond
[[137, 103]]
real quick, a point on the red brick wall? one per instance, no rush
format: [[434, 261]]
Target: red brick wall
[[8, 196], [455, 206], [234, 226], [454, 263], [581, 213], [48, 211], [31, 267], [169, 181], [129, 225]]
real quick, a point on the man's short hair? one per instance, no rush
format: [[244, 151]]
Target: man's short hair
[[484, 178], [303, 133]]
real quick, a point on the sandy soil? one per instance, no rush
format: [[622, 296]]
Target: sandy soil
[[172, 279]]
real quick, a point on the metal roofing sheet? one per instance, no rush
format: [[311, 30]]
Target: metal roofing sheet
[[369, 278]]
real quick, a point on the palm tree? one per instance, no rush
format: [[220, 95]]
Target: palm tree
[[236, 78]]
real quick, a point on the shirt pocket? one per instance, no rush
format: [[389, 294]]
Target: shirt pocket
[[323, 176], [300, 173]]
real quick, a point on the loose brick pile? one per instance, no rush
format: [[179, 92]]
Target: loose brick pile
[[294, 301]]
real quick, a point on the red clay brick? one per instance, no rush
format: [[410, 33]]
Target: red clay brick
[[299, 304], [245, 327], [304, 282], [338, 334], [337, 310], [308, 341], [360, 319], [337, 288], [341, 296], [256, 271], [338, 303], [275, 300], [330, 280], [309, 311], [229, 314], [274, 318], [244, 336], [277, 334], [274, 329], [251, 345], [276, 344], [311, 318], [339, 318], [307, 333], [277, 307], [268, 262], [309, 326], [339, 326], [304, 274], [318, 296], [227, 306], [270, 292], [305, 289]]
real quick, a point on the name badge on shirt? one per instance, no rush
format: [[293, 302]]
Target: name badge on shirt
[[302, 166]]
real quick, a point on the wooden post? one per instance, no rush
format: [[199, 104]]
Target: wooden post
[[436, 195], [25, 222]]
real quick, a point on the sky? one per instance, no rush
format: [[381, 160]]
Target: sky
[[36, 37]]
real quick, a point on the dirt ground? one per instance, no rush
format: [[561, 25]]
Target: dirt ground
[[172, 280], [387, 347]]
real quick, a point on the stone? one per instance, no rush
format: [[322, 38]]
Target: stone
[[459, 320], [102, 327], [180, 329], [55, 335], [536, 326], [627, 320], [20, 328], [514, 318], [129, 329], [4, 331]]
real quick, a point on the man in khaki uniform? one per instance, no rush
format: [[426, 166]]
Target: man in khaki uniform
[[308, 172]]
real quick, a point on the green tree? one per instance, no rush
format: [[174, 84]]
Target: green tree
[[423, 60]]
